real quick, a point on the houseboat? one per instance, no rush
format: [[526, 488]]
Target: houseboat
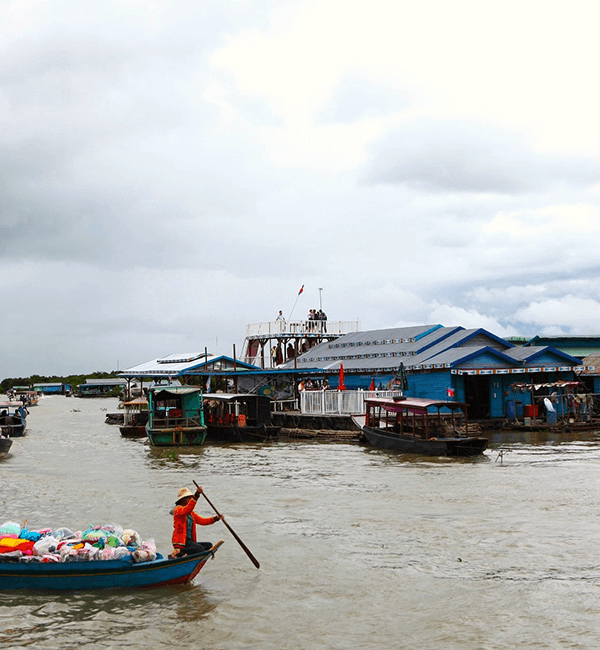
[[238, 418], [420, 426], [175, 416]]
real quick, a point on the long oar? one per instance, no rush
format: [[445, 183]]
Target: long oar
[[230, 529]]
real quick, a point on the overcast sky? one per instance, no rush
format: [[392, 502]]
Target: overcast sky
[[171, 171]]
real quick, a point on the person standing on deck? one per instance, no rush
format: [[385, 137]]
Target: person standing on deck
[[281, 320], [184, 524]]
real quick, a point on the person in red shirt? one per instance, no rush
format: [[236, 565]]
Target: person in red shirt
[[184, 524]]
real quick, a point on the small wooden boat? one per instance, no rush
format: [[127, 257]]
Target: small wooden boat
[[5, 445], [103, 574], [421, 426], [135, 417], [13, 418], [28, 397], [239, 417], [175, 416]]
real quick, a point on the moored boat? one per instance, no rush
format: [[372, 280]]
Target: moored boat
[[421, 426], [103, 574], [13, 418], [239, 417], [175, 416], [5, 445], [28, 397], [135, 417]]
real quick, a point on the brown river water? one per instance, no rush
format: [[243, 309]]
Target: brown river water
[[359, 548]]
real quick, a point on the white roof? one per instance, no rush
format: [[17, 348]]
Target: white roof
[[172, 364]]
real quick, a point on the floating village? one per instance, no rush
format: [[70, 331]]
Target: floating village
[[428, 390]]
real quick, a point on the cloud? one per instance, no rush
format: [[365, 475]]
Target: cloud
[[470, 157], [172, 172], [569, 314]]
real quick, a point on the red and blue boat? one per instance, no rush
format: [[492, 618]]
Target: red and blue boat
[[103, 574]]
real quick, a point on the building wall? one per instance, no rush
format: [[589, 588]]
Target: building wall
[[430, 385], [487, 360]]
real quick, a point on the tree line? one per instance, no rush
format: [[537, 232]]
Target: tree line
[[72, 380]]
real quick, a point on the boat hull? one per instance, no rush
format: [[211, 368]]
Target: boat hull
[[234, 433], [176, 437], [102, 574], [136, 431], [5, 445], [13, 430], [468, 446]]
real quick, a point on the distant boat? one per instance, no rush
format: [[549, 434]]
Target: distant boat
[[238, 417], [175, 416], [135, 417], [103, 574], [420, 426], [28, 397], [13, 419], [5, 445]]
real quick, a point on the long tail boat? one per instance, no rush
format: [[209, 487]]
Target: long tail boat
[[103, 574], [421, 426]]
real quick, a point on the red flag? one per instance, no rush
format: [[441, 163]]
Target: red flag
[[372, 386], [301, 290], [341, 384]]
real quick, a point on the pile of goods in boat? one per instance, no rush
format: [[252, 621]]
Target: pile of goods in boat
[[108, 542]]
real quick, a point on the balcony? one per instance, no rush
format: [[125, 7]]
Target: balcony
[[300, 328]]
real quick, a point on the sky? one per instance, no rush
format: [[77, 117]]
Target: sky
[[173, 171]]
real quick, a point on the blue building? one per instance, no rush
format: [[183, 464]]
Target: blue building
[[437, 362]]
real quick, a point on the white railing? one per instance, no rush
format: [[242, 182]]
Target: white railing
[[339, 402], [294, 328], [284, 405]]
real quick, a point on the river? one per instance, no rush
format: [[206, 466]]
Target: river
[[358, 547]]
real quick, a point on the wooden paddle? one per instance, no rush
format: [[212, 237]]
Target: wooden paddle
[[230, 529]]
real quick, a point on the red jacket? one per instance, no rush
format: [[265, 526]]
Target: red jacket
[[180, 515]]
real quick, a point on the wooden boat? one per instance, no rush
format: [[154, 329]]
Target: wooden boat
[[421, 426], [13, 418], [103, 574], [28, 397], [135, 417], [175, 416], [239, 417], [5, 445]]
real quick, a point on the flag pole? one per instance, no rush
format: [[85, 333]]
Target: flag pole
[[294, 307]]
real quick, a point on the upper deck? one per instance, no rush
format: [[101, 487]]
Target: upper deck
[[300, 328]]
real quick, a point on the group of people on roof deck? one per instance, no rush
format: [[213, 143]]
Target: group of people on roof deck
[[316, 321], [321, 317]]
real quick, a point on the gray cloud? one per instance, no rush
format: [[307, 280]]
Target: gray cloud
[[469, 157]]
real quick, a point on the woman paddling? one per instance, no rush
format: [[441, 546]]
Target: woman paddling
[[184, 524]]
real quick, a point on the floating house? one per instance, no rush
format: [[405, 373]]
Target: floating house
[[51, 388], [99, 387], [437, 362]]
